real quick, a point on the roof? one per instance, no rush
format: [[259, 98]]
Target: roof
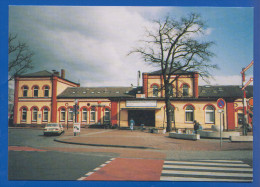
[[43, 73], [100, 92], [159, 72], [224, 91]]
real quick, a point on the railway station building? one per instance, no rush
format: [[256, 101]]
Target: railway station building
[[44, 97]]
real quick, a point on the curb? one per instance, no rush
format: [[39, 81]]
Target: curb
[[104, 145]]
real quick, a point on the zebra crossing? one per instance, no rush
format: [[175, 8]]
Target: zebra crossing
[[207, 170]]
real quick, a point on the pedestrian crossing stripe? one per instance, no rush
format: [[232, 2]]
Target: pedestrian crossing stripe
[[206, 163], [164, 178], [207, 170]]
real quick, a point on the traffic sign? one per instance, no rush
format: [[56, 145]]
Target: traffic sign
[[221, 103]]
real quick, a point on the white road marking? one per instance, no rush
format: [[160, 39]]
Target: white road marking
[[166, 178], [206, 173], [203, 163], [206, 168], [222, 161]]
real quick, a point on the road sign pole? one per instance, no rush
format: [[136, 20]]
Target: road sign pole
[[220, 130]]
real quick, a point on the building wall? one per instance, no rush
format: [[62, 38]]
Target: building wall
[[41, 82], [160, 115], [62, 85], [177, 85], [40, 104], [99, 104]]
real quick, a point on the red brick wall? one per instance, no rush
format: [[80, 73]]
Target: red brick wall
[[54, 100], [145, 84], [114, 112], [230, 116]]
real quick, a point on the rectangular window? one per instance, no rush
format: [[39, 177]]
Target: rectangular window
[[189, 116], [62, 115], [24, 115], [70, 117], [35, 92], [46, 92], [84, 115], [25, 92], [92, 116], [107, 116], [210, 117], [34, 116], [45, 115]]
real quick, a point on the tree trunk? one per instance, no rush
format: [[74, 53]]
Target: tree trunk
[[168, 105]]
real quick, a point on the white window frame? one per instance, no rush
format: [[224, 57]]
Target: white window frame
[[45, 112], [92, 110], [62, 114], [24, 111], [36, 88], [25, 88], [84, 113], [70, 114], [34, 114], [189, 111], [210, 112], [46, 88]]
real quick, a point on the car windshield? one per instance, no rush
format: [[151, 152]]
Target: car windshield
[[52, 125]]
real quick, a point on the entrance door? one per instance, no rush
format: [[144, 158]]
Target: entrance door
[[146, 117]]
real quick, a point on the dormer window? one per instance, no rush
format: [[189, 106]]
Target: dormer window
[[25, 91], [35, 91]]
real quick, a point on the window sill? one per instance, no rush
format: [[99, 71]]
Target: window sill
[[189, 122]]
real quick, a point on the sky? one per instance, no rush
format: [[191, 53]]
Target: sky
[[92, 43]]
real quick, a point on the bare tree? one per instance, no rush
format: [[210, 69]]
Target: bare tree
[[177, 45], [19, 57]]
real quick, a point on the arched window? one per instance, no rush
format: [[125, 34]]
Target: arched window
[[62, 114], [84, 114], [107, 115], [210, 114], [34, 114], [185, 90], [70, 114], [189, 114], [35, 91], [45, 114], [24, 114], [25, 91], [46, 91], [155, 91], [92, 114]]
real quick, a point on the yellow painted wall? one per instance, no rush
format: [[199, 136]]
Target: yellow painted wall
[[29, 83], [62, 85], [181, 80], [29, 113]]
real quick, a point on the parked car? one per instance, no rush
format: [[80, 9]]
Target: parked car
[[53, 129]]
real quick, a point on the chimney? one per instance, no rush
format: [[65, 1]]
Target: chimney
[[138, 78], [56, 72], [63, 73]]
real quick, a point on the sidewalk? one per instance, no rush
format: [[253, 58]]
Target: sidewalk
[[144, 140]]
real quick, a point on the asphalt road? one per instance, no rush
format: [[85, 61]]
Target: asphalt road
[[46, 165]]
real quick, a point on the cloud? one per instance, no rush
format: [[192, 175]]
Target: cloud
[[91, 43], [224, 80]]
